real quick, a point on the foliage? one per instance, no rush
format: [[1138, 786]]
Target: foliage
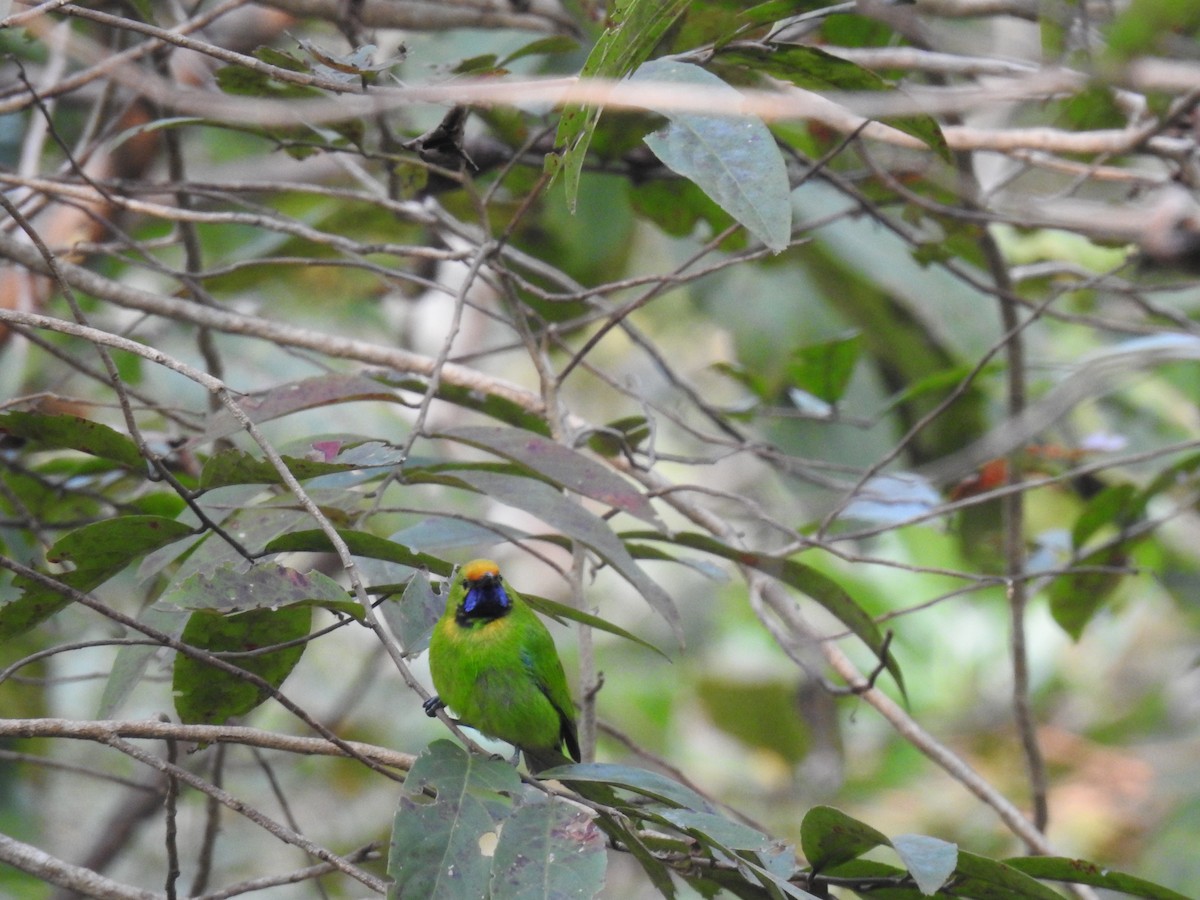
[[831, 387]]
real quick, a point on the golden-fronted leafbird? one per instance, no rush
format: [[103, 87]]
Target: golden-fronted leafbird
[[494, 664]]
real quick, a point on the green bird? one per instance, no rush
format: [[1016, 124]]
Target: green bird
[[494, 663]]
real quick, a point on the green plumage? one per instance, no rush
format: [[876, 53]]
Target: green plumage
[[494, 664]]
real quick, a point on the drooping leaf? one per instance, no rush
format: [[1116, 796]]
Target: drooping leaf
[[555, 44], [714, 827], [560, 611], [807, 580], [208, 695], [361, 543], [64, 432], [929, 860], [98, 551], [641, 781], [548, 849], [449, 533], [732, 159], [817, 70], [411, 616], [829, 837], [990, 879], [497, 406], [243, 81], [824, 369], [1079, 871], [562, 465], [107, 547], [131, 661], [238, 467], [1111, 507], [634, 28], [436, 849], [1078, 595]]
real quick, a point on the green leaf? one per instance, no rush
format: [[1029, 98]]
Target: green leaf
[[98, 551], [1145, 26], [734, 160], [807, 580], [231, 589], [105, 548], [243, 81], [549, 849], [63, 432], [360, 543], [436, 849], [411, 618], [774, 10], [207, 695], [990, 879], [715, 828], [559, 43], [929, 860], [640, 781], [131, 661], [816, 70], [1078, 871], [559, 611], [565, 467], [1077, 596], [238, 467], [1111, 507], [497, 407], [760, 713], [829, 837], [634, 28], [824, 369]]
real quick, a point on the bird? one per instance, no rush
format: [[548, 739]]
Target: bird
[[494, 663]]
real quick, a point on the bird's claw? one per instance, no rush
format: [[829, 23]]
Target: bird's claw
[[432, 705]]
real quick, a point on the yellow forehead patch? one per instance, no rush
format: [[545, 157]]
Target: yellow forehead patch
[[478, 568]]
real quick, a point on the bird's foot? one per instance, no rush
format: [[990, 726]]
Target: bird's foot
[[432, 705]]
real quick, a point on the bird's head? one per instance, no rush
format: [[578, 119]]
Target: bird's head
[[485, 597]]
